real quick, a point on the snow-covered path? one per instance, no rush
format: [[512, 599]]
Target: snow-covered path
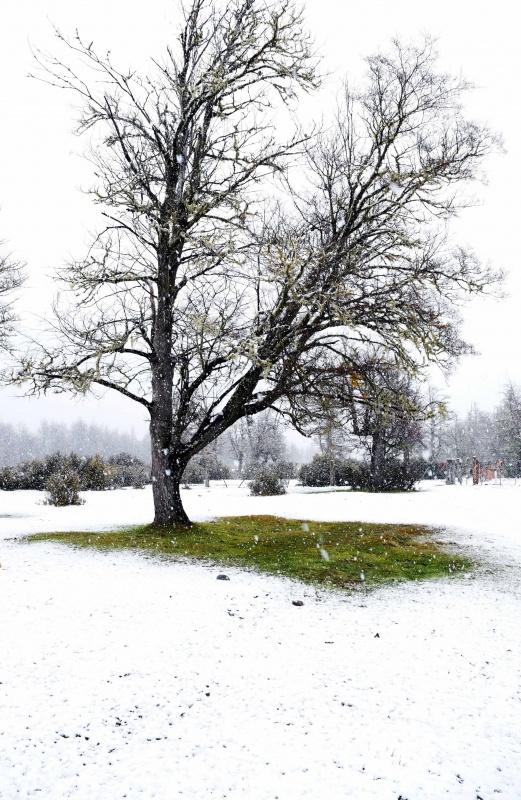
[[125, 677]]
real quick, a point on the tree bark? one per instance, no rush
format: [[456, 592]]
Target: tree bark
[[377, 454], [167, 473], [332, 475]]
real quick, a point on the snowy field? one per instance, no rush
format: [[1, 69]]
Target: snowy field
[[122, 677]]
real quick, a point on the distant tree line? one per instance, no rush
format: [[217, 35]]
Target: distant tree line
[[19, 444]]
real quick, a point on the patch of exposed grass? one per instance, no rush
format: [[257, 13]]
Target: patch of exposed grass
[[341, 554]]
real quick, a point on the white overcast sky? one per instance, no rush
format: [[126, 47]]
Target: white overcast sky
[[45, 217]]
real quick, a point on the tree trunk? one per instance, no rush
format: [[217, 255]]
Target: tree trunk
[[331, 454], [167, 466], [166, 477], [332, 471], [377, 456]]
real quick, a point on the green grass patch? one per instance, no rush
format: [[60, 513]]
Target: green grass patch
[[335, 554]]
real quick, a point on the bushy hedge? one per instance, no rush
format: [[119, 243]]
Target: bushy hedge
[[127, 470], [267, 483], [395, 475], [93, 472], [272, 479], [286, 470], [348, 472]]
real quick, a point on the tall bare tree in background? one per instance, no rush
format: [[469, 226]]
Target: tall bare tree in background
[[390, 421], [378, 408], [256, 442], [200, 302]]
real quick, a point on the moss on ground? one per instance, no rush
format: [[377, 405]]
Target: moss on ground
[[339, 554]]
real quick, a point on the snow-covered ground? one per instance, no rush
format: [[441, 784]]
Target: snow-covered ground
[[122, 677]]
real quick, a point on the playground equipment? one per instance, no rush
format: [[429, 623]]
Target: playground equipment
[[481, 472], [457, 469]]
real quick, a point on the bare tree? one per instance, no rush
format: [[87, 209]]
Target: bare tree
[[390, 421], [237, 441], [437, 426], [256, 442], [331, 440], [11, 278], [204, 310], [378, 407], [507, 428], [266, 443]]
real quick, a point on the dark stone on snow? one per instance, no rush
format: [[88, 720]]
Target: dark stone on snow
[[297, 602], [377, 636], [223, 578]]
